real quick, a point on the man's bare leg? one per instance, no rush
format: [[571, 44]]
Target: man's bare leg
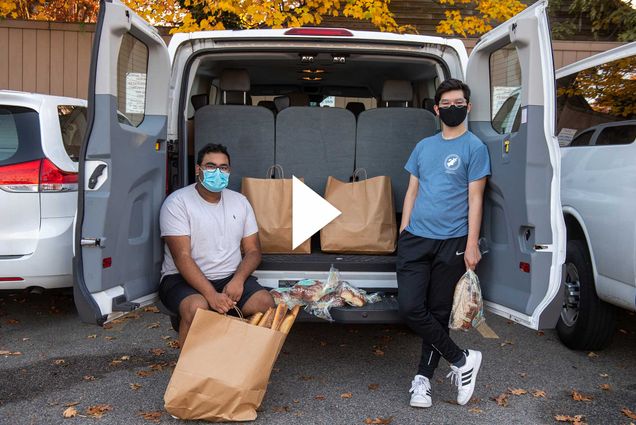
[[260, 301], [187, 310]]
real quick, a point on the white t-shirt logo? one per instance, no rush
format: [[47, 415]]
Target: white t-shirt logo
[[452, 162]]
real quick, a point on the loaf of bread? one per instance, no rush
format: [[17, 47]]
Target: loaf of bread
[[289, 319], [279, 315], [307, 291], [351, 295], [332, 300], [255, 318], [268, 318]]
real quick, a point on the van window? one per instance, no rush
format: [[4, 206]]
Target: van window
[[73, 127], [19, 135], [505, 90], [583, 139], [132, 68], [596, 96]]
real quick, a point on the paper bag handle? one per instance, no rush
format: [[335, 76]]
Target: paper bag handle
[[238, 311], [271, 172], [357, 173]]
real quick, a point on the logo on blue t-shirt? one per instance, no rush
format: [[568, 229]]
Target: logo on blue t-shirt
[[452, 162]]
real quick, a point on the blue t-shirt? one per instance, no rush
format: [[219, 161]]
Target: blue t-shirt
[[444, 168]]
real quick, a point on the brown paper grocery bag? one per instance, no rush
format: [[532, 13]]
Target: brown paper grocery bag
[[367, 224], [271, 200], [223, 369]]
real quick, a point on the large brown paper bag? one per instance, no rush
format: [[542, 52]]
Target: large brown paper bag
[[367, 224], [271, 200], [223, 369]]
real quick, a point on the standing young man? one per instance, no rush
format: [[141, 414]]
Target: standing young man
[[439, 235], [204, 227]]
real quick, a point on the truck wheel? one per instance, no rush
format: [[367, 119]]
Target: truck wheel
[[586, 322]]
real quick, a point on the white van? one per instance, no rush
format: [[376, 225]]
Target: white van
[[203, 89], [596, 127]]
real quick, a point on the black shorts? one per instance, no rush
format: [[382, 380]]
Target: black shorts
[[174, 289]]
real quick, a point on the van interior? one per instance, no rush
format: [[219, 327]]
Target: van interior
[[317, 115]]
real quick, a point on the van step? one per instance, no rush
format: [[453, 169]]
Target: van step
[[318, 261]]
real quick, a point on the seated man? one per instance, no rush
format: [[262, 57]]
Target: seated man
[[204, 226]]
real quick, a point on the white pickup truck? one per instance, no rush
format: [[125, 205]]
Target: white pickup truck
[[596, 128]]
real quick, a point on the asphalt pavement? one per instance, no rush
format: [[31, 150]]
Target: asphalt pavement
[[50, 363]]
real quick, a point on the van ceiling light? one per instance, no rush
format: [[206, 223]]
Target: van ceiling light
[[321, 32], [312, 78], [313, 71]]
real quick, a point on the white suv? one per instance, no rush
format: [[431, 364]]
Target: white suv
[[596, 127], [264, 94], [40, 139]]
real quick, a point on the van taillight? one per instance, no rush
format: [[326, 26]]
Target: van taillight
[[52, 179], [36, 176], [324, 32]]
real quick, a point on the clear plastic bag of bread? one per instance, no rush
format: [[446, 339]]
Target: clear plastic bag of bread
[[321, 307], [468, 305], [307, 291], [354, 296], [284, 295]]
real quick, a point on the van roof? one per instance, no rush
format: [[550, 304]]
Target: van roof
[[36, 100]]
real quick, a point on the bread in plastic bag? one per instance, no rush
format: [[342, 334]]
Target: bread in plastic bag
[[283, 295], [307, 290], [468, 305]]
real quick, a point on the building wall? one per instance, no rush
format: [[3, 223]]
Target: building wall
[[54, 58]]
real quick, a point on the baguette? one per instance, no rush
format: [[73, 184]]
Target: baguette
[[289, 320], [281, 310], [255, 318], [267, 319]]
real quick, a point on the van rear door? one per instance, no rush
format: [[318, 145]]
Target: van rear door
[[122, 168], [522, 221]]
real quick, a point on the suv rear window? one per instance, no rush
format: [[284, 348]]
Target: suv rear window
[[19, 135]]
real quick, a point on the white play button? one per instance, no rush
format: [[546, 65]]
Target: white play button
[[310, 212]]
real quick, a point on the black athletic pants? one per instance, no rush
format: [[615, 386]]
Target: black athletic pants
[[427, 271]]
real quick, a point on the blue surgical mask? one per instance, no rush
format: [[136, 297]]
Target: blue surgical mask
[[214, 181]]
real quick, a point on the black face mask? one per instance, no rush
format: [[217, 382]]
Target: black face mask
[[453, 116]]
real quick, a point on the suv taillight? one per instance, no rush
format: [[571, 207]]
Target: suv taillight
[[36, 176], [52, 179]]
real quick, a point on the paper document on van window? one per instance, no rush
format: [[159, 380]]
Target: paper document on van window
[[566, 135], [135, 92]]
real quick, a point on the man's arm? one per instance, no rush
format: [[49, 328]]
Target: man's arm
[[409, 201], [181, 254], [251, 259], [472, 256]]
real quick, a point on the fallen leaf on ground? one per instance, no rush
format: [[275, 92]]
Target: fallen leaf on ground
[[109, 338], [12, 322], [306, 377], [623, 331], [164, 337], [26, 339], [628, 413], [374, 387], [280, 409], [89, 378], [158, 367], [378, 352], [523, 375], [538, 393], [576, 420], [173, 344], [320, 397], [380, 421], [475, 410], [157, 351], [517, 391], [540, 333], [144, 373], [346, 395], [115, 362], [323, 343], [507, 342], [70, 412], [71, 404], [92, 336], [107, 326], [605, 387], [134, 387], [502, 399], [603, 375], [154, 325], [577, 396], [59, 362], [592, 354], [474, 400], [10, 353], [98, 410], [151, 309], [151, 416], [296, 401]]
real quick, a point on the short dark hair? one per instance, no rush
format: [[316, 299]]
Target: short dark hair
[[450, 85], [212, 148]]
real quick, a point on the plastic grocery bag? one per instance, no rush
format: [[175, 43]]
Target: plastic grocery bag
[[468, 305]]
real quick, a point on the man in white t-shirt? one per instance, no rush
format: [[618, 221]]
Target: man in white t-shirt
[[204, 227]]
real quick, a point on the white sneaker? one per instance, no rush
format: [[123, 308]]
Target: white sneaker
[[421, 392], [464, 377]]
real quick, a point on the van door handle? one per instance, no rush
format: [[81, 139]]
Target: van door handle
[[92, 181]]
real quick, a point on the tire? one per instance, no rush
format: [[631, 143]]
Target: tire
[[586, 322]]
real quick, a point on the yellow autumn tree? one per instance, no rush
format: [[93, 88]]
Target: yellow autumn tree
[[487, 15]]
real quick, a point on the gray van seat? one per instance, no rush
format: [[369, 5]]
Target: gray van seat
[[315, 143], [247, 131], [386, 137]]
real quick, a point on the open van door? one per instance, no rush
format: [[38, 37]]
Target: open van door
[[122, 168], [511, 74]]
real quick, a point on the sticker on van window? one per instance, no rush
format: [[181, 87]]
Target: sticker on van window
[[135, 92], [565, 136]]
